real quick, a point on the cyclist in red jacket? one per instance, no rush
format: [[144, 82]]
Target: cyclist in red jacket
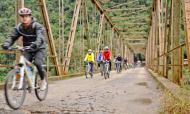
[[106, 55]]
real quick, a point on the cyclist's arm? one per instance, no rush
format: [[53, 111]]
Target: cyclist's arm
[[110, 56], [12, 37], [40, 33], [93, 58], [85, 59]]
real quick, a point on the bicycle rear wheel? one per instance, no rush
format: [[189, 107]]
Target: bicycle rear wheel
[[14, 96], [40, 94]]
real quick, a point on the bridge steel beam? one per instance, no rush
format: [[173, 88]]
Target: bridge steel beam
[[126, 9], [102, 11], [175, 34], [164, 38], [19, 4], [100, 30], [186, 9], [43, 10], [123, 4], [71, 36]]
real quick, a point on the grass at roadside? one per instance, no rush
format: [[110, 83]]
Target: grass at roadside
[[176, 105]]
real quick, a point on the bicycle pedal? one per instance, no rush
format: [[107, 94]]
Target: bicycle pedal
[[15, 88]]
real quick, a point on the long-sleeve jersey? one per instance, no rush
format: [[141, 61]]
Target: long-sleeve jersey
[[106, 55], [89, 57]]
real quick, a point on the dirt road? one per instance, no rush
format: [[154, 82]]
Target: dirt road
[[131, 92]]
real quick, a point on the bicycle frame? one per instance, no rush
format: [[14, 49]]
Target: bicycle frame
[[106, 67], [88, 67], [23, 71], [118, 65]]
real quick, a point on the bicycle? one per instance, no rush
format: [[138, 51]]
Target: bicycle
[[118, 66], [101, 68], [22, 78], [88, 70], [106, 69]]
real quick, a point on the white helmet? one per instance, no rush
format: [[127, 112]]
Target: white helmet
[[106, 48], [89, 50], [25, 11]]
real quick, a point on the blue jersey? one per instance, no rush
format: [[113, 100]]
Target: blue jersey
[[99, 57]]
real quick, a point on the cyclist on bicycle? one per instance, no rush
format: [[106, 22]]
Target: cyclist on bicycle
[[119, 60], [99, 58], [106, 55], [90, 59], [125, 62], [33, 34]]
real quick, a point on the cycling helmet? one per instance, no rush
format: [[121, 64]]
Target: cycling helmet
[[90, 50], [25, 11], [106, 48]]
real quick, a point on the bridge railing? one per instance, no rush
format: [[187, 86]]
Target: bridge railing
[[166, 68]]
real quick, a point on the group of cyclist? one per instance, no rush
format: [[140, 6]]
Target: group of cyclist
[[102, 56]]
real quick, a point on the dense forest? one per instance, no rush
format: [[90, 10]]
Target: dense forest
[[8, 17]]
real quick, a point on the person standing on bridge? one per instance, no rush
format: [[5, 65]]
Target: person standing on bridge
[[33, 38], [106, 55]]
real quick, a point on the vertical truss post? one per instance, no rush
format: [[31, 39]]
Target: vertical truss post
[[85, 23], [61, 33], [71, 36], [160, 34], [154, 50], [187, 25], [100, 30], [175, 33], [19, 4], [51, 45], [166, 35]]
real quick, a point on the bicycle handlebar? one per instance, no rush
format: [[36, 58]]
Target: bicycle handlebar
[[20, 48]]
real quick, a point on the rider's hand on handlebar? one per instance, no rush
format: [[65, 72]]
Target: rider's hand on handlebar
[[5, 46], [33, 45]]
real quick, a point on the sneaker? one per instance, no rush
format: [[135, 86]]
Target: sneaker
[[43, 85]]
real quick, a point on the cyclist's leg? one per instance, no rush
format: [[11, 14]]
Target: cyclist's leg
[[121, 65], [39, 61], [109, 65], [98, 64], [28, 56], [92, 67]]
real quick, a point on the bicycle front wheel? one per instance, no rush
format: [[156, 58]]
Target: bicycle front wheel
[[14, 95], [40, 94]]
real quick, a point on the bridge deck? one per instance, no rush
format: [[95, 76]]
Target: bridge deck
[[131, 92]]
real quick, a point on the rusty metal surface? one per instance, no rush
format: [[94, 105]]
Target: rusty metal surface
[[71, 35], [51, 44], [187, 25]]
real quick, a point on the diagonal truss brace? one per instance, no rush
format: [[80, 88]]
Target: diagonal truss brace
[[71, 36], [100, 30], [43, 10], [187, 23]]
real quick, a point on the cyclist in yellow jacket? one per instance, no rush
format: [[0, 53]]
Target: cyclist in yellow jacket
[[90, 59]]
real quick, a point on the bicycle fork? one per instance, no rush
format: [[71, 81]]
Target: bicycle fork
[[21, 73]]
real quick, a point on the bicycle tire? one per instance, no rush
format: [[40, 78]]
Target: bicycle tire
[[6, 92], [37, 88]]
